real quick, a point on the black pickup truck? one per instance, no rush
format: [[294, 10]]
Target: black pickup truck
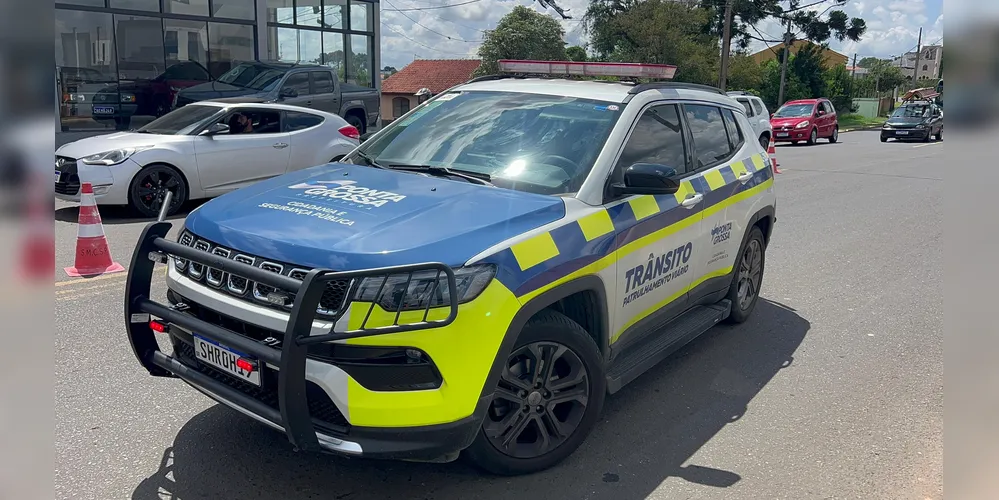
[[306, 85]]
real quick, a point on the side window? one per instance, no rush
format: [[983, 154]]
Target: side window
[[735, 136], [749, 107], [322, 82], [400, 106], [758, 106], [829, 107], [299, 82], [707, 127], [294, 120], [657, 138], [245, 121]]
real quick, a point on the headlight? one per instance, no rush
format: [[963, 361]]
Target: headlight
[[803, 124], [126, 97], [112, 157], [920, 126], [421, 290], [886, 126]]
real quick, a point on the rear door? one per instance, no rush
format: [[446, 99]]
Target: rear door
[[234, 160], [829, 119], [324, 94]]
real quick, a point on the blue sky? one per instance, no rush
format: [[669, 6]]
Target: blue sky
[[455, 32]]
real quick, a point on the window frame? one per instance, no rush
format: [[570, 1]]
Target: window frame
[[732, 153], [284, 121], [748, 102], [292, 74], [237, 109], [409, 106], [758, 103], [738, 130], [314, 88]]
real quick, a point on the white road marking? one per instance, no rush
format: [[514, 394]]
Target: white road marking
[[927, 144]]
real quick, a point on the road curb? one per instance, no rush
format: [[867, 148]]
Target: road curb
[[871, 127]]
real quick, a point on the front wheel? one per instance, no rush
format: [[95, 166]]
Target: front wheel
[[547, 400], [747, 277], [884, 139], [149, 188], [764, 141], [813, 137]]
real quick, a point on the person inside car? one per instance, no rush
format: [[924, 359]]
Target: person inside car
[[240, 124]]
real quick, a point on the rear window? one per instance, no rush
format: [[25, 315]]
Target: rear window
[[749, 107], [758, 107], [711, 140]]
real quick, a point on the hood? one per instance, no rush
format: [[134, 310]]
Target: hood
[[212, 90], [780, 122], [349, 217], [107, 142]]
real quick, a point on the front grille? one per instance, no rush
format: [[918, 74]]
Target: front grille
[[323, 411], [332, 300], [69, 180]]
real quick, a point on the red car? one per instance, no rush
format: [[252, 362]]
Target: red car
[[805, 120]]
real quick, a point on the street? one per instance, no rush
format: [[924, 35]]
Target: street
[[833, 389]]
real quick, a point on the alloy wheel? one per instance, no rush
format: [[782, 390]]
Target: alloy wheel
[[152, 187], [750, 273], [539, 402]]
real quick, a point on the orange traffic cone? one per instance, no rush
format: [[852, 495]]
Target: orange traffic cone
[[93, 257], [772, 151]]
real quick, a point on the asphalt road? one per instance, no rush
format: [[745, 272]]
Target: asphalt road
[[833, 389]]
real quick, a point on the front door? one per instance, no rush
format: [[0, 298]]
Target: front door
[[244, 155], [299, 82], [657, 236]]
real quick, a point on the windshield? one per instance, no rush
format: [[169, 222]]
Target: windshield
[[911, 112], [252, 76], [535, 143], [795, 111], [180, 121]]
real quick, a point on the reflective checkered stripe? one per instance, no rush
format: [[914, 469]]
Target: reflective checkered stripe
[[533, 263]]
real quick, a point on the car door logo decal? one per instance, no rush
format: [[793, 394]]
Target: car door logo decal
[[348, 191], [659, 270]]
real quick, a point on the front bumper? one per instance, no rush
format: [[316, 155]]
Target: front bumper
[[908, 133], [791, 135], [286, 400], [110, 183]]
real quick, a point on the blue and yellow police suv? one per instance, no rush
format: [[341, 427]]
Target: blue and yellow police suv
[[475, 277]]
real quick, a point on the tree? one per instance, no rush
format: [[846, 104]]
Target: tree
[[744, 73], [576, 53], [839, 83], [868, 62], [521, 34], [390, 70], [809, 66], [655, 31]]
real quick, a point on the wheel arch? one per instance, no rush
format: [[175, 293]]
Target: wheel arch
[[175, 168], [359, 112], [559, 298]]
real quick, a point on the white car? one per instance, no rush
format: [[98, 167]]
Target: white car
[[201, 150], [759, 116]]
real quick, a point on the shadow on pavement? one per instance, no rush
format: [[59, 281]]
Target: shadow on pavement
[[648, 431], [120, 214]]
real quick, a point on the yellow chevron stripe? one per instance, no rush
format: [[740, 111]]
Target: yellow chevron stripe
[[685, 189], [644, 206], [758, 162], [534, 251], [596, 225], [715, 179]]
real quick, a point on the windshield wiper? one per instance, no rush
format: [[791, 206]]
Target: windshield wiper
[[473, 177], [370, 161]]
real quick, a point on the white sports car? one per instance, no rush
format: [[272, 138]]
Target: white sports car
[[201, 150]]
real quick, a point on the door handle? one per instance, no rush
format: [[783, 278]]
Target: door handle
[[744, 178], [692, 200], [280, 145]]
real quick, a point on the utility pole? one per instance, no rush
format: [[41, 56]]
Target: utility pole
[[853, 74], [919, 50], [726, 45], [783, 69]]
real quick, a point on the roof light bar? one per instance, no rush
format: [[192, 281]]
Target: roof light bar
[[621, 70]]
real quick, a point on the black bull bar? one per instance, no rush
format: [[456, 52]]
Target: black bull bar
[[293, 414]]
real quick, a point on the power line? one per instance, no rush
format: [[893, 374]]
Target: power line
[[448, 6], [421, 43], [430, 30], [442, 18]]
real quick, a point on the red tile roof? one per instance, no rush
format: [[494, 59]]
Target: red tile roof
[[437, 75]]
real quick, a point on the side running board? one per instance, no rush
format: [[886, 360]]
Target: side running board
[[670, 337]]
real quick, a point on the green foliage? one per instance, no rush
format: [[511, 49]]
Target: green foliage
[[838, 85], [576, 53], [807, 65], [868, 62], [522, 34], [744, 73]]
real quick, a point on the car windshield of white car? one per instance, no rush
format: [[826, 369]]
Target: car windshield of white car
[[180, 121], [543, 144], [794, 111]]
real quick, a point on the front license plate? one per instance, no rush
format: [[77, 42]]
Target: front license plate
[[58, 174], [901, 132], [783, 134], [103, 110], [221, 357]]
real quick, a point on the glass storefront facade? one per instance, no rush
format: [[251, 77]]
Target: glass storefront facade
[[120, 63]]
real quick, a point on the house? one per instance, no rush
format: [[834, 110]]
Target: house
[[402, 91], [830, 58], [930, 57], [857, 71]]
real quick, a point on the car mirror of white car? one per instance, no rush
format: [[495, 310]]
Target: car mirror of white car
[[215, 129]]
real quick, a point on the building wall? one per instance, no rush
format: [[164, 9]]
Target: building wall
[[830, 57], [388, 105], [929, 62]]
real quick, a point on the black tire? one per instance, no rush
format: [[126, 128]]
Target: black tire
[[356, 122], [940, 134], [928, 136], [813, 137], [123, 123], [835, 136], [793, 143], [884, 139], [149, 186], [747, 274], [574, 355], [764, 141]]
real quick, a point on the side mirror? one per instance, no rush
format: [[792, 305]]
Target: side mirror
[[820, 112], [216, 129], [288, 92], [647, 178]]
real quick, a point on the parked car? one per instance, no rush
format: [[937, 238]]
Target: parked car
[[200, 151], [805, 120], [143, 92], [759, 116], [921, 120], [307, 85]]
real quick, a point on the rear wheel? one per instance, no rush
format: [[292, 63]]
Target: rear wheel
[[356, 122], [149, 188], [835, 136], [547, 400], [747, 277], [940, 134], [765, 141]]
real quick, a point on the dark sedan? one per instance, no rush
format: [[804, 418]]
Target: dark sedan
[[914, 121]]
